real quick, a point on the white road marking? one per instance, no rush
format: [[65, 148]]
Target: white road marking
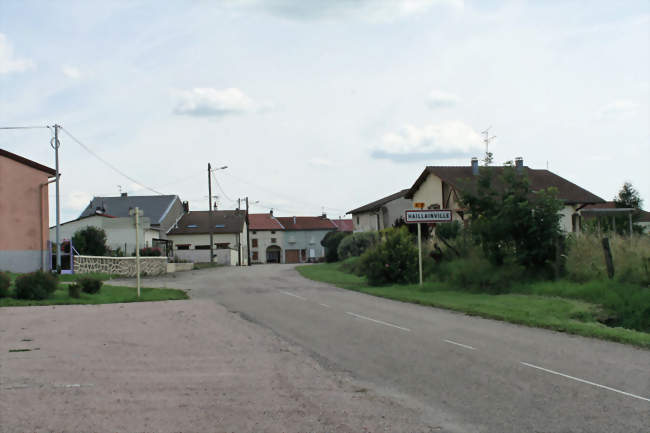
[[324, 305], [377, 321], [585, 381], [460, 344], [294, 295]]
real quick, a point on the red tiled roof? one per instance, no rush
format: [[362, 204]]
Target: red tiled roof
[[307, 223], [344, 225], [605, 205], [263, 221]]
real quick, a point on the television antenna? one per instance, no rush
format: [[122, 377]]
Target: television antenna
[[487, 139]]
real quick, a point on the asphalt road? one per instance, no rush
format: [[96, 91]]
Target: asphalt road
[[477, 375]]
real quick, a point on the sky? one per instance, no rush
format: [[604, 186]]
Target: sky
[[322, 106]]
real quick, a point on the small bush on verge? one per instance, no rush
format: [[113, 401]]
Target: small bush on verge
[[5, 281], [392, 261], [356, 244], [90, 285], [37, 285], [74, 290]]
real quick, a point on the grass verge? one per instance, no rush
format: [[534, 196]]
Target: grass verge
[[107, 295], [555, 313]]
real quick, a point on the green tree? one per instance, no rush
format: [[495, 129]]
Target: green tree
[[90, 241], [509, 219], [628, 197], [331, 243], [394, 260]]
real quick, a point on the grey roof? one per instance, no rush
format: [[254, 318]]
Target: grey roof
[[153, 206], [379, 203], [197, 222]]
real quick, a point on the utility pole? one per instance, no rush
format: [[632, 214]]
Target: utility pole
[[210, 213], [55, 145], [248, 236]]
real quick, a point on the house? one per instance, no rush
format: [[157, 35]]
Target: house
[[266, 238], [191, 236], [24, 213], [441, 186], [120, 231], [163, 212], [302, 237], [344, 225], [382, 213], [609, 209]]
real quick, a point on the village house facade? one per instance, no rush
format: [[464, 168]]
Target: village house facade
[[266, 238], [24, 213], [382, 213]]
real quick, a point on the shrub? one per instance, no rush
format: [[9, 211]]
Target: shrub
[[37, 285], [355, 244], [150, 252], [74, 290], [90, 285], [352, 265], [331, 243], [90, 241], [5, 281], [478, 274], [448, 231], [392, 261]]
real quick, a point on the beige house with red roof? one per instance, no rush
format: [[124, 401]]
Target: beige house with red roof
[[266, 238]]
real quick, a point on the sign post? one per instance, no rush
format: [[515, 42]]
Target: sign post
[[419, 216]]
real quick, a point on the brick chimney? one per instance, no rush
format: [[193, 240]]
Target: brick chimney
[[475, 166], [519, 164]]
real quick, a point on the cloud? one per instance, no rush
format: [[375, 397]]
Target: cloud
[[374, 10], [443, 141], [619, 109], [78, 200], [71, 72], [438, 99], [321, 162], [9, 63], [209, 102]]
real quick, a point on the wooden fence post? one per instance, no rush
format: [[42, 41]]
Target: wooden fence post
[[608, 258]]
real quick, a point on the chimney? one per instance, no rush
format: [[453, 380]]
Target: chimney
[[271, 212], [186, 206], [519, 164], [294, 219], [475, 166], [124, 194], [324, 215]]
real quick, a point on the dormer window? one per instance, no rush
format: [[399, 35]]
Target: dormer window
[[192, 226]]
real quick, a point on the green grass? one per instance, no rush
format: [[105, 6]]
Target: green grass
[[71, 277], [107, 295], [531, 309]]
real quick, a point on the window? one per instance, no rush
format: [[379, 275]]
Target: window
[[357, 219], [202, 247], [274, 240], [272, 232], [255, 257], [222, 246], [183, 247], [254, 243], [254, 232]]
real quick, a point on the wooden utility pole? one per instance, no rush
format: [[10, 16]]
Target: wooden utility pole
[[55, 144], [210, 213], [609, 262], [248, 236]]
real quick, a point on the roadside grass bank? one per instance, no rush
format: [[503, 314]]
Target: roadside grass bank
[[559, 305], [70, 277], [107, 295]]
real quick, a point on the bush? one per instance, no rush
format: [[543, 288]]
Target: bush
[[74, 290], [90, 285], [352, 266], [5, 281], [331, 243], [356, 244], [448, 231], [150, 252], [90, 241], [392, 261], [476, 273], [37, 285]]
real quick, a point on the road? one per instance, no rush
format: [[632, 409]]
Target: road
[[478, 375]]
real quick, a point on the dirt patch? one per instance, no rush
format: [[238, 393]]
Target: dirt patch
[[183, 366]]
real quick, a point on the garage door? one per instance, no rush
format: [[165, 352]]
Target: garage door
[[292, 256]]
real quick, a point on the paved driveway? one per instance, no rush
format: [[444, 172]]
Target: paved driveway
[[479, 374]]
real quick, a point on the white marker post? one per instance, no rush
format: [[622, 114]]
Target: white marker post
[[419, 216], [137, 213]]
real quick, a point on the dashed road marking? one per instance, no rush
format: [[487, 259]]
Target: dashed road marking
[[460, 344], [324, 305], [293, 294], [377, 321], [585, 381]]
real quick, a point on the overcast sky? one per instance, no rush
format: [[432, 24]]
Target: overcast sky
[[315, 104]]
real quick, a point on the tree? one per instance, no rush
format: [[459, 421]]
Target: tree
[[393, 260], [90, 241], [509, 219], [331, 243], [628, 197]]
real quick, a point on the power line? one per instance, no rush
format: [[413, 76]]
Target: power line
[[24, 127], [111, 166]]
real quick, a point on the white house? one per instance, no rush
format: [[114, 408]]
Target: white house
[[191, 236], [266, 238], [382, 213]]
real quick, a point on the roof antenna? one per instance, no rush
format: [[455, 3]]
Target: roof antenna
[[487, 160], [119, 187]]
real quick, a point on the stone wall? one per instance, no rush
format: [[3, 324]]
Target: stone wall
[[226, 257], [124, 266], [178, 267]]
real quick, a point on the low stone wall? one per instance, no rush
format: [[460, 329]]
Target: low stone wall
[[124, 266], [177, 267], [223, 256]]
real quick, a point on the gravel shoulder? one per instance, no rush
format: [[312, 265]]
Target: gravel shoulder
[[181, 366]]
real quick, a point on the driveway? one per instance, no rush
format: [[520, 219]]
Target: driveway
[[475, 374]]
